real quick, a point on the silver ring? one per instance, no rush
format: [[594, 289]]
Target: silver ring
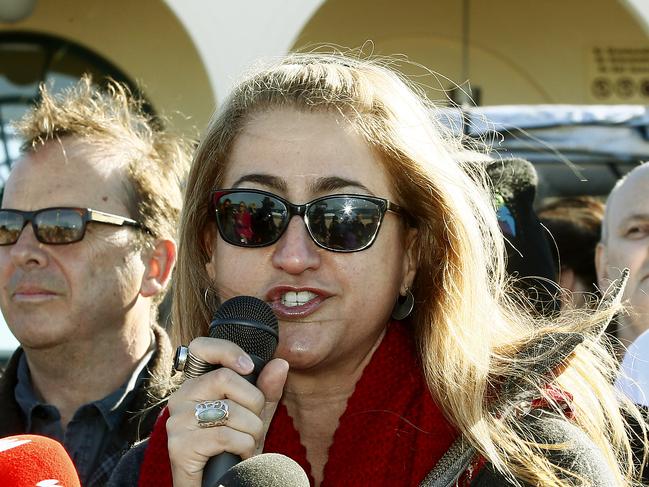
[[195, 366], [180, 359], [190, 365], [211, 413]]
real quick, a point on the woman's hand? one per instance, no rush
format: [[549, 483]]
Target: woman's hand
[[251, 409]]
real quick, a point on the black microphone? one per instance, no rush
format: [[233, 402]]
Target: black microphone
[[267, 470], [529, 255], [251, 324]]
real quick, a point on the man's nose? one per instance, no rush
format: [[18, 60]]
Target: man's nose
[[28, 251]]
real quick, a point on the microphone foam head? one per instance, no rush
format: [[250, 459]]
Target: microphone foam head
[[513, 176], [266, 470], [250, 323], [33, 460]]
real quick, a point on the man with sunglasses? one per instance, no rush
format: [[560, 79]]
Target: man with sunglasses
[[87, 229]]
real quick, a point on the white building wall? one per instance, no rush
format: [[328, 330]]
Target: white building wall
[[230, 35]]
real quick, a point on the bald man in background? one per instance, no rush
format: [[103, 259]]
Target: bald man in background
[[625, 243]]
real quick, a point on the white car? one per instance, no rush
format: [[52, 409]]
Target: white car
[[576, 149]]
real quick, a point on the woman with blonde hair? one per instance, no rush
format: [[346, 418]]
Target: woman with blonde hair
[[402, 358]]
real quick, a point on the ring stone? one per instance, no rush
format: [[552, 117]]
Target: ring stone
[[211, 413]]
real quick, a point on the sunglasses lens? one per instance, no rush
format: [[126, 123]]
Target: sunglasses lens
[[59, 226], [11, 224], [250, 219], [344, 223]]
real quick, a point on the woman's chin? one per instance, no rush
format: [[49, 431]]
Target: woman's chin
[[299, 355]]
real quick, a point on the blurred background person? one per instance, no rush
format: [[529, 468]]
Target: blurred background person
[[625, 244], [514, 183], [574, 225]]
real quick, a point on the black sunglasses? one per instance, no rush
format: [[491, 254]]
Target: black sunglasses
[[338, 222], [56, 226]]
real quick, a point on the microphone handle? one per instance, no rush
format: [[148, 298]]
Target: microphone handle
[[217, 466]]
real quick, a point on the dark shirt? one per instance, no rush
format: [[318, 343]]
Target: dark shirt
[[93, 426]]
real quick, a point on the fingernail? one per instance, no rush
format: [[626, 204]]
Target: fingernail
[[285, 364], [245, 363]]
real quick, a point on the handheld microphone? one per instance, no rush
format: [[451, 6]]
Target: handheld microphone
[[266, 470], [35, 461], [251, 324]]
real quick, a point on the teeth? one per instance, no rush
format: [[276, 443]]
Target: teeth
[[299, 298]]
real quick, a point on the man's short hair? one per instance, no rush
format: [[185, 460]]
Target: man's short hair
[[114, 121]]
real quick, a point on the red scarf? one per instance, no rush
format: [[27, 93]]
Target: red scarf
[[391, 434]]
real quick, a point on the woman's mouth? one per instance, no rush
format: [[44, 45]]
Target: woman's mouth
[[295, 303], [292, 299]]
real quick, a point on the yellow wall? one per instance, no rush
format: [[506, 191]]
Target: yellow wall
[[145, 41], [522, 51]]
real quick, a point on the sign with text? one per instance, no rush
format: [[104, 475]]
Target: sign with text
[[618, 75]]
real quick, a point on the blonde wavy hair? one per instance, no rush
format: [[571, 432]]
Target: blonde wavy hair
[[468, 327]]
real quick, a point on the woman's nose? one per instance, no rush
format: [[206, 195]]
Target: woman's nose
[[296, 252]]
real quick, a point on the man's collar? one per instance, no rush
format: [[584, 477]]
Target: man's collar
[[111, 407]]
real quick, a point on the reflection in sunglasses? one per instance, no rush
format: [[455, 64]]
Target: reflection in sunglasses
[[57, 225], [343, 223]]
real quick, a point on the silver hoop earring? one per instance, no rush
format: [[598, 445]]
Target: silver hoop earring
[[404, 306], [210, 301]]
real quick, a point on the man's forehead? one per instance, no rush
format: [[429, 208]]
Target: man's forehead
[[76, 169], [79, 152], [632, 197], [636, 183]]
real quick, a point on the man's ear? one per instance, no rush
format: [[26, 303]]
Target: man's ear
[[601, 266], [158, 266], [410, 259]]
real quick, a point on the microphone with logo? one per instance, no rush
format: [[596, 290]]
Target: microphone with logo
[[251, 324], [35, 461]]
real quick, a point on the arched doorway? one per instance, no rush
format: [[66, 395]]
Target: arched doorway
[[29, 59]]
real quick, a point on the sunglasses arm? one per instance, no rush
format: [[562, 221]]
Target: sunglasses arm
[[101, 217], [394, 208]]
